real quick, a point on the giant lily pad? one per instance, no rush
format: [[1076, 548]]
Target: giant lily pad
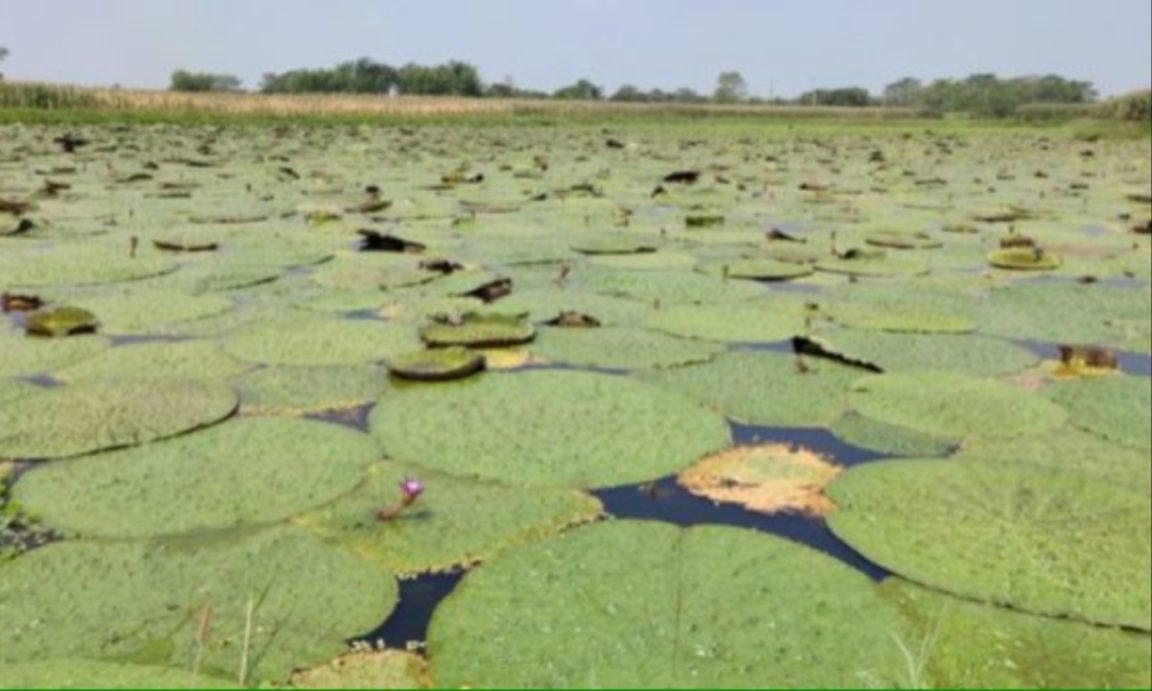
[[637, 604], [442, 364], [25, 356], [1024, 259], [891, 440], [954, 405], [1045, 543], [668, 287], [618, 347], [366, 669], [752, 321], [757, 269], [245, 472], [72, 673], [765, 388], [82, 418], [293, 597], [964, 354], [1116, 408], [1068, 450], [962, 644], [143, 311], [61, 321], [456, 522], [547, 428], [479, 331], [300, 390], [79, 264], [317, 341], [181, 359]]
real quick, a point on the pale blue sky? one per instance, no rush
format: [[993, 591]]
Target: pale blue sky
[[782, 47]]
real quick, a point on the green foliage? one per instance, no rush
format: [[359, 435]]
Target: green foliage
[[1047, 543], [74, 673], [853, 97], [183, 80], [1134, 107], [583, 90], [636, 604], [365, 76], [44, 96], [988, 95], [730, 88]]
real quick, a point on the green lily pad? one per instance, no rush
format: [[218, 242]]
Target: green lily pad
[[79, 264], [302, 390], [1118, 409], [455, 522], [1068, 450], [480, 331], [891, 440], [143, 311], [297, 598], [619, 347], [898, 317], [910, 240], [442, 364], [970, 645], [965, 354], [757, 269], [367, 669], [954, 406], [764, 388], [1023, 259], [82, 418], [546, 304], [547, 428], [61, 321], [760, 321], [668, 287], [639, 604], [148, 361], [1044, 543], [245, 472], [1062, 313], [318, 341], [26, 356], [873, 266], [11, 389], [766, 478], [71, 673], [611, 244]]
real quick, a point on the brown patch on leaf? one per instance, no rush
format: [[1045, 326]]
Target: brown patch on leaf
[[576, 320], [766, 478], [14, 302], [491, 291], [1084, 361], [366, 668]]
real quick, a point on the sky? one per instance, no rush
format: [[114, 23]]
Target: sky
[[781, 47]]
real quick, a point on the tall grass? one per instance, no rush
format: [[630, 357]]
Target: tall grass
[[45, 96]]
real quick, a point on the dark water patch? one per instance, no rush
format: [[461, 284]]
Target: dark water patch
[[666, 501], [614, 371], [1109, 282], [1127, 361], [140, 339], [364, 315], [44, 380], [355, 417], [817, 439], [766, 346], [408, 623], [791, 287]]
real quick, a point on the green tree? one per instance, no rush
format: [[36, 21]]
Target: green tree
[[582, 90], [851, 96], [3, 54], [629, 94], [730, 88], [183, 80], [903, 92]]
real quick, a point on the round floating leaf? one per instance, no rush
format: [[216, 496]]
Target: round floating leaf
[[79, 264], [245, 472], [757, 269], [144, 311], [1068, 450], [965, 354], [898, 317], [27, 356], [1045, 543], [148, 361], [766, 478], [622, 348], [892, 440], [11, 389], [1062, 312], [651, 261], [639, 604], [299, 598], [873, 266], [972, 645], [954, 406], [369, 669], [669, 287], [765, 388], [302, 390], [318, 341], [1116, 408], [546, 304], [548, 428], [911, 240], [612, 244], [61, 321], [759, 321], [455, 522], [82, 418], [442, 364], [480, 331], [72, 673], [1023, 259]]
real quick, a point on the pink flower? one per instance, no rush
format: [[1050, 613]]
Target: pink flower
[[411, 487]]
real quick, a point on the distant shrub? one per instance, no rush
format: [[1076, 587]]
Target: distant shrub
[[1134, 107], [43, 96], [1055, 112]]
